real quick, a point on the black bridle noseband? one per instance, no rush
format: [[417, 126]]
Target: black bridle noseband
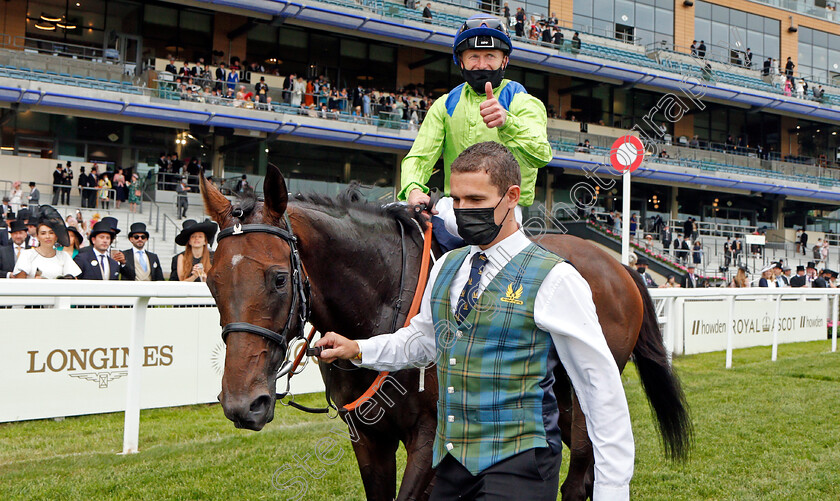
[[300, 287]]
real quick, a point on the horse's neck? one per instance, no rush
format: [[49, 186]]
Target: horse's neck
[[354, 275]]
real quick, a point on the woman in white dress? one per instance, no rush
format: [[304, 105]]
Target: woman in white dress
[[16, 196], [45, 261], [298, 89]]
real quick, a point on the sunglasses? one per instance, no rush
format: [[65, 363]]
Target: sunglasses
[[487, 22], [139, 237]]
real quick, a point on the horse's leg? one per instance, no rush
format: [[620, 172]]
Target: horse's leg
[[581, 478], [377, 465], [418, 475]]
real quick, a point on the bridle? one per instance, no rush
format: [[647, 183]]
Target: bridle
[[299, 308]]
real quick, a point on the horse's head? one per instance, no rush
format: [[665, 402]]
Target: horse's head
[[251, 280]]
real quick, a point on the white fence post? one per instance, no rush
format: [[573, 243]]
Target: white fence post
[[775, 350], [131, 435], [834, 324], [730, 331]]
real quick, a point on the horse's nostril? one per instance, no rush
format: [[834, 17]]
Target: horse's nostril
[[260, 404]]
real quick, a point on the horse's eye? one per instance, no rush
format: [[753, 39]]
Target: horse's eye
[[280, 281]]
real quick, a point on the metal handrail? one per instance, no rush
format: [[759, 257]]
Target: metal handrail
[[52, 47]]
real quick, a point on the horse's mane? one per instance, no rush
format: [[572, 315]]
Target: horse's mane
[[349, 200]]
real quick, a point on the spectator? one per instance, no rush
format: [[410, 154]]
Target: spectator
[[548, 34], [748, 58], [170, 68], [800, 89], [670, 283], [366, 104], [44, 261], [95, 261], [76, 240], [427, 13], [694, 48], [506, 12], [697, 253], [634, 223], [701, 50], [134, 193], [694, 142], [519, 27], [680, 248], [103, 198], [232, 79], [727, 252], [824, 252], [242, 185], [664, 154], [766, 279], [803, 241], [641, 267], [817, 250], [34, 199], [261, 91], [740, 279], [139, 262], [92, 187], [58, 181], [666, 237], [819, 93], [822, 281], [765, 70], [193, 264], [688, 228], [6, 208], [789, 66], [576, 41], [785, 276], [298, 89], [689, 281], [31, 230], [67, 183], [182, 201], [10, 254], [648, 242], [221, 76], [584, 147], [119, 185], [557, 39], [800, 280]]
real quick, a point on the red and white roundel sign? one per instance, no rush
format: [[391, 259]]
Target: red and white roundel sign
[[627, 153]]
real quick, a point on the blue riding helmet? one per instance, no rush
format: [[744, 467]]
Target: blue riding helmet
[[482, 31]]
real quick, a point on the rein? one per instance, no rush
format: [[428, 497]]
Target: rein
[[300, 307]]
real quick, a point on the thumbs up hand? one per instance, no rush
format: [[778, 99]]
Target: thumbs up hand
[[493, 113]]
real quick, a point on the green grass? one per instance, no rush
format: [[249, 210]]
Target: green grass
[[763, 430]]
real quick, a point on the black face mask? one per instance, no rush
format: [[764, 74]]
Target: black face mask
[[642, 270], [478, 78], [478, 226]]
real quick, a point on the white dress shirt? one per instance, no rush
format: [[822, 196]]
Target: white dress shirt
[[102, 260], [564, 308]]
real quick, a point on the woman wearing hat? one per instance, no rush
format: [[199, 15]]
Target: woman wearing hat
[[193, 264], [45, 261], [134, 193], [76, 240], [766, 279], [740, 278], [16, 197]]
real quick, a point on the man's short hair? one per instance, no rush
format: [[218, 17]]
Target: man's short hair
[[494, 159]]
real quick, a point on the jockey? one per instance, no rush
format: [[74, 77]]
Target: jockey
[[487, 107]]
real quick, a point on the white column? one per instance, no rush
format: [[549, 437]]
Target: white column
[[730, 331], [625, 218], [131, 434]]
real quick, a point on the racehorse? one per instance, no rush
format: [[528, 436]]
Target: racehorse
[[353, 254]]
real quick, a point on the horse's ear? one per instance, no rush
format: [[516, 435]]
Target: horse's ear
[[275, 192], [215, 204]]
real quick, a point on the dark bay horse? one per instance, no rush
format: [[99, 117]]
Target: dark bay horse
[[351, 253]]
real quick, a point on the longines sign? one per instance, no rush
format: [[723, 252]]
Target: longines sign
[[705, 323], [66, 362]]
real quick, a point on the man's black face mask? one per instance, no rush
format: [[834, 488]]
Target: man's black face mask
[[477, 79], [478, 226]]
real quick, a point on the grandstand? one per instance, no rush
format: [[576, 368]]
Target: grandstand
[[745, 155]]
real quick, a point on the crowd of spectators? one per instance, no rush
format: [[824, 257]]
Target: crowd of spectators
[[317, 97], [43, 245]]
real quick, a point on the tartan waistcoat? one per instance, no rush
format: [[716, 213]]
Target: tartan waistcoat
[[495, 370]]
